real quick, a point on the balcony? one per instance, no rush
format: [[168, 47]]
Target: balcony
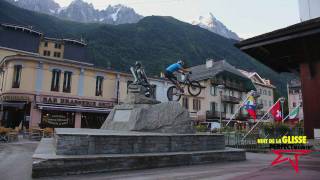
[[230, 99], [215, 115], [228, 84]]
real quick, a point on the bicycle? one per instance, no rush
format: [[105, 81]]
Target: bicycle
[[194, 88]]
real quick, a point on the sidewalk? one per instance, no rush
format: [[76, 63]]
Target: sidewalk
[[16, 164]]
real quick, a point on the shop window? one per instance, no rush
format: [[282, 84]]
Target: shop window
[[57, 45], [92, 120], [67, 82], [57, 119], [55, 80], [99, 85], [196, 104], [16, 76], [185, 102], [46, 53], [57, 54]]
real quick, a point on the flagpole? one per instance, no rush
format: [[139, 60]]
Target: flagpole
[[239, 108], [261, 119], [291, 112]]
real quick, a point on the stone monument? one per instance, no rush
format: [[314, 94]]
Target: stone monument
[[141, 133]]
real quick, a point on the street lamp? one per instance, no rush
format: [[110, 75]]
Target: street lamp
[[220, 89]]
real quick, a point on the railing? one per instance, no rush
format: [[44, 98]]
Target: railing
[[231, 99], [228, 84], [215, 114], [235, 138]]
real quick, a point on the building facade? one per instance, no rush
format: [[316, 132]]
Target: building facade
[[48, 82], [265, 90], [295, 96], [309, 9], [212, 101]]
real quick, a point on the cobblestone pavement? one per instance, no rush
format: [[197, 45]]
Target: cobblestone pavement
[[16, 162]]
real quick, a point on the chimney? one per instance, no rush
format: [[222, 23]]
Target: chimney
[[209, 63]]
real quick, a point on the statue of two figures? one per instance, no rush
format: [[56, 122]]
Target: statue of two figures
[[141, 83]]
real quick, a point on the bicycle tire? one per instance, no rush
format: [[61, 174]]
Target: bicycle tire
[[194, 85], [170, 94]]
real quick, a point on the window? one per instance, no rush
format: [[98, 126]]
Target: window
[[46, 44], [16, 76], [213, 90], [128, 83], [231, 108], [270, 103], [269, 92], [185, 102], [99, 85], [196, 104], [264, 92], [55, 80], [67, 82], [46, 53], [294, 104], [57, 54], [231, 93], [213, 106], [225, 107], [57, 45]]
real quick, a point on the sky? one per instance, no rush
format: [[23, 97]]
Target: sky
[[247, 18]]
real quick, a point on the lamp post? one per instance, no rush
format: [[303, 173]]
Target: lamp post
[[282, 99], [220, 88]]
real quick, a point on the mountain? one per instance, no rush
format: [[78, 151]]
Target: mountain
[[42, 6], [214, 25], [155, 41], [81, 11]]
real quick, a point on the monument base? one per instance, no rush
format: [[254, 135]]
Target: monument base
[[80, 151], [47, 163]]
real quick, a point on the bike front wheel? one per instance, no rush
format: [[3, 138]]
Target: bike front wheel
[[173, 94], [194, 88]]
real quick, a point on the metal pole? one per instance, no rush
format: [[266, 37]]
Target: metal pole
[[239, 108], [261, 118], [220, 91]]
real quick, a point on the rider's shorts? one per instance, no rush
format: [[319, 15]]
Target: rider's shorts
[[171, 76]]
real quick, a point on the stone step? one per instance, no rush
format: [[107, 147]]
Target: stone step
[[47, 163], [86, 142]]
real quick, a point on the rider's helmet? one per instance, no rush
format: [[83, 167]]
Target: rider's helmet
[[180, 62], [138, 64]]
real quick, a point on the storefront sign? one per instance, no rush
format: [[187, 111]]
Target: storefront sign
[[76, 102], [14, 98], [57, 120]]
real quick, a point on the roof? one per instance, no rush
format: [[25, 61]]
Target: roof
[[285, 49], [262, 81], [201, 72], [290, 30], [66, 40], [22, 28]]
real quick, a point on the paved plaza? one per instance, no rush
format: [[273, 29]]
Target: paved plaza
[[16, 163]]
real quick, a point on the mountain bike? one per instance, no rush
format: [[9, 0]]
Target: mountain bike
[[194, 88]]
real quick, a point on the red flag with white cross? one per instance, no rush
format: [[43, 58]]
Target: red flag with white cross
[[276, 112]]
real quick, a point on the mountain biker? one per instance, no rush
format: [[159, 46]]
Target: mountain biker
[[176, 67]]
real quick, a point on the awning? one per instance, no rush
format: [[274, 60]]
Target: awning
[[72, 108], [18, 105]]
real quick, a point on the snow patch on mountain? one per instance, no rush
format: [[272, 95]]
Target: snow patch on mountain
[[212, 24]]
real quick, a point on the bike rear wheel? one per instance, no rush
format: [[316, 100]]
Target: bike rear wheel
[[194, 88], [173, 94]]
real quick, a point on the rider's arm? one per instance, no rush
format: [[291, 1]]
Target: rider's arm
[[182, 70]]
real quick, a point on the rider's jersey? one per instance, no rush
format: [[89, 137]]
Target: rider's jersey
[[174, 67]]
